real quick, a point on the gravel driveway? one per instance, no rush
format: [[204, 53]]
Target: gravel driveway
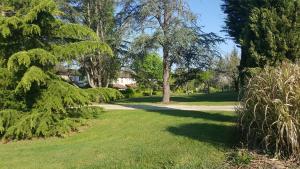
[[164, 107]]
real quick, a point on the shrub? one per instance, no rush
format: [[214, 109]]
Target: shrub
[[103, 95], [146, 94], [128, 93], [269, 115], [25, 125], [57, 111]]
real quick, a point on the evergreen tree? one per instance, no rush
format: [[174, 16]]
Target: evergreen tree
[[34, 101], [267, 31], [273, 33]]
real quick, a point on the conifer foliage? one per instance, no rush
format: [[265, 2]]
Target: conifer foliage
[[33, 100]]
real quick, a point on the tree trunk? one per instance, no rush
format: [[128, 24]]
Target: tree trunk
[[90, 80], [208, 88], [88, 15], [166, 75], [243, 64], [236, 84]]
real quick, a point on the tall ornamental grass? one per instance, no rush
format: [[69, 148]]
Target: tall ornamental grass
[[269, 115]]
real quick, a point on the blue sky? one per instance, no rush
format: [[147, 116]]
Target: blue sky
[[211, 18]]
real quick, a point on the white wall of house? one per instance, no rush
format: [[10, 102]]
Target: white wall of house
[[124, 81]]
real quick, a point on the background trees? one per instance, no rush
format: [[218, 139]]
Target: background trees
[[99, 16], [227, 70], [148, 71]]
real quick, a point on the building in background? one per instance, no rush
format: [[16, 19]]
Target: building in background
[[125, 80]]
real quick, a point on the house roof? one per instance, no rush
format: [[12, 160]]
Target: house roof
[[126, 73], [118, 86]]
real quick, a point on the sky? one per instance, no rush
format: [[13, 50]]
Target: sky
[[211, 17]]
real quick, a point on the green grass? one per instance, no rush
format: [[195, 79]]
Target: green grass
[[218, 99], [132, 139]]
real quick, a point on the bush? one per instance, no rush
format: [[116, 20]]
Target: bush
[[128, 93], [146, 94], [25, 125], [269, 115], [103, 95], [57, 111]]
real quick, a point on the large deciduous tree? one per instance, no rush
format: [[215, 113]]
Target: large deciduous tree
[[170, 22]]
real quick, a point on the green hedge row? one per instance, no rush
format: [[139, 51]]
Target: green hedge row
[[103, 95]]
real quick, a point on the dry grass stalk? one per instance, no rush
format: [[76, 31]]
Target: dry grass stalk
[[270, 110]]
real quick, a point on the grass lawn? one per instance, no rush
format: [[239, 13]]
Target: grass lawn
[[216, 99], [134, 140]]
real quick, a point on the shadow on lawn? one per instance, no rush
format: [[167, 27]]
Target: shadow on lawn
[[219, 135], [184, 113]]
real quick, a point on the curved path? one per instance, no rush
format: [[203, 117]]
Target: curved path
[[164, 107]]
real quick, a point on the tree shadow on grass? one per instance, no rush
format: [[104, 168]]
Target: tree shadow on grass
[[214, 116], [217, 135]]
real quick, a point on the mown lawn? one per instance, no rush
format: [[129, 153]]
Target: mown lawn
[[216, 99], [134, 140]]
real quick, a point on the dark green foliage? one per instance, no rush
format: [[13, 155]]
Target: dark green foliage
[[59, 97], [34, 101], [103, 95], [269, 114], [146, 93], [25, 125], [8, 101], [128, 93], [6, 76], [86, 112], [267, 31], [273, 34]]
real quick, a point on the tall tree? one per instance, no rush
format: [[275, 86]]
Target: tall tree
[[273, 33], [34, 101], [267, 31], [170, 22]]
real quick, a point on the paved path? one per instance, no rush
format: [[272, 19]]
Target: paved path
[[164, 107]]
